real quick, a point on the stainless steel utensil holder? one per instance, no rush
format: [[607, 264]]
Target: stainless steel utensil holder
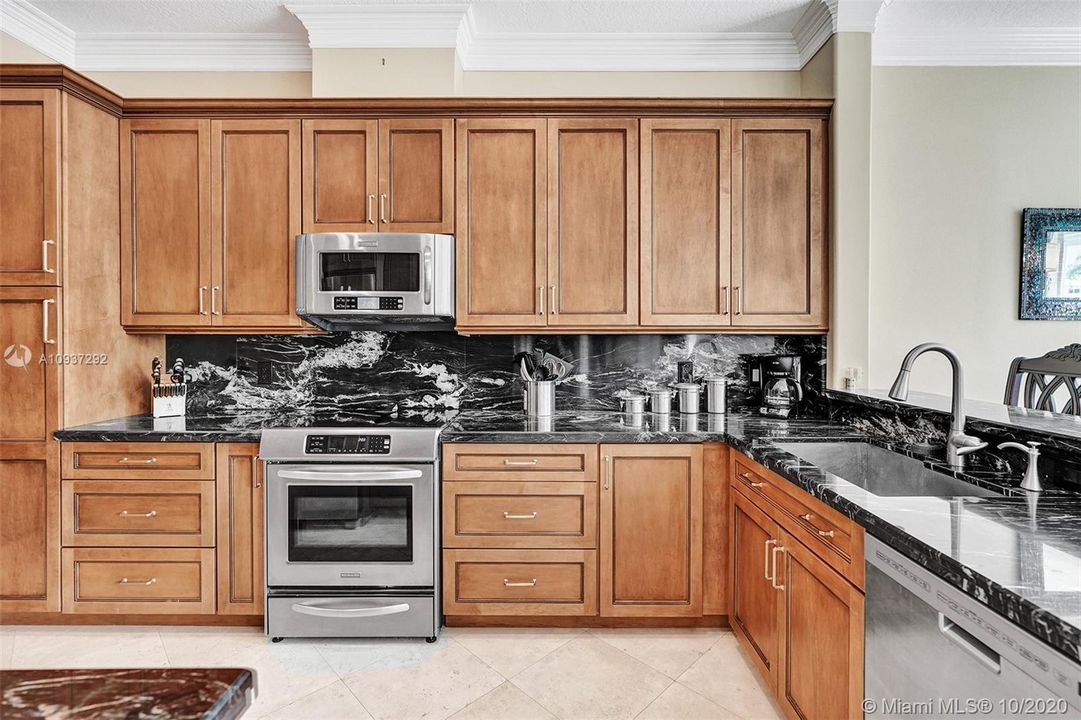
[[539, 398]]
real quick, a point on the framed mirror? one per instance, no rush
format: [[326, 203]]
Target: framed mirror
[[1051, 264]]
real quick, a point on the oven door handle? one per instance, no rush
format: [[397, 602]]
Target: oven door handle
[[351, 476], [340, 612]]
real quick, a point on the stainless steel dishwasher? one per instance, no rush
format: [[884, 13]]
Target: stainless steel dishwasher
[[932, 651]]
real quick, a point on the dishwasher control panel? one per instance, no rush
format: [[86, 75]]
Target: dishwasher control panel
[[347, 445]]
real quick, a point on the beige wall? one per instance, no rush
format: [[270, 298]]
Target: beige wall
[[15, 51], [426, 72], [628, 84], [207, 84], [957, 153], [816, 77]]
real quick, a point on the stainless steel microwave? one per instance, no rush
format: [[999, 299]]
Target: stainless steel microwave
[[354, 281]]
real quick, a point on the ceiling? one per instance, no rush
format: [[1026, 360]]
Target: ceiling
[[542, 34]]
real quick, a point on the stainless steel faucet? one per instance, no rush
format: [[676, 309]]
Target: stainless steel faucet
[[958, 444]]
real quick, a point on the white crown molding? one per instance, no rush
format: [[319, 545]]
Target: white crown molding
[[987, 47], [812, 30], [26, 23], [269, 52], [382, 25], [629, 52], [855, 15]]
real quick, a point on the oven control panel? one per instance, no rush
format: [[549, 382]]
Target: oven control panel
[[384, 302], [347, 445]]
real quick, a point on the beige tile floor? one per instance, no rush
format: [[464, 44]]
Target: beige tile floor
[[470, 674]]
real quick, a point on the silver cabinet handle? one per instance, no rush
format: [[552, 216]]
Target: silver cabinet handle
[[45, 322], [427, 275], [739, 300], [129, 461], [517, 463], [806, 517], [202, 300], [773, 576], [371, 217], [148, 581], [214, 300], [607, 471], [509, 583], [554, 310], [727, 300], [349, 610], [530, 516], [765, 570], [45, 256], [125, 514], [540, 293], [382, 207]]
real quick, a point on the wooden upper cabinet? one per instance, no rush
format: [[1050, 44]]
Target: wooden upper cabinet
[[416, 175], [341, 175], [685, 222], [385, 175], [592, 222], [165, 222], [651, 530], [29, 187], [500, 229], [779, 253], [256, 218]]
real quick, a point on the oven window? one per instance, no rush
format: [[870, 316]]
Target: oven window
[[371, 271], [350, 524]]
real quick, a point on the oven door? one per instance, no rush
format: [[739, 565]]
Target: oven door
[[334, 525]]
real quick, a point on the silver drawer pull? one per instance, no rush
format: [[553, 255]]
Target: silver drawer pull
[[129, 461], [508, 583], [806, 516], [125, 513], [757, 484], [509, 516], [522, 463], [824, 533], [45, 256], [126, 581]]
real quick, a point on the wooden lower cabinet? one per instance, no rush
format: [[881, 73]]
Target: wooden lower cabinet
[[799, 619], [519, 582], [146, 581], [29, 529], [651, 530], [240, 529]]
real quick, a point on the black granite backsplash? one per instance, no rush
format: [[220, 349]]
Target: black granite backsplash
[[433, 373]]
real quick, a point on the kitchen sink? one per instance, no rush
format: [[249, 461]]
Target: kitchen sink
[[882, 472]]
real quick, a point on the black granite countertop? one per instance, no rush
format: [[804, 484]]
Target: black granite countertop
[[148, 694], [1019, 556]]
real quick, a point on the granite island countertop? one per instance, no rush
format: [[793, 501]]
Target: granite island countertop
[[143, 694], [1020, 558]]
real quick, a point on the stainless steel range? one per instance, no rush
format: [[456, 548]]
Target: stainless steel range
[[351, 532]]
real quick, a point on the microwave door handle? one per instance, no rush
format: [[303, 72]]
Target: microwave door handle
[[428, 275], [341, 476], [342, 612]]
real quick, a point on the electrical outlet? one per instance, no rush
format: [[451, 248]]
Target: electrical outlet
[[264, 372], [685, 371]]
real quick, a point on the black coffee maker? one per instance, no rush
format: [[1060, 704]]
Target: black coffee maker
[[777, 378]]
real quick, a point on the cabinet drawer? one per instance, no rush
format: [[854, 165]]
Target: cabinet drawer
[[138, 461], [547, 462], [520, 582], [520, 515], [830, 535], [138, 513], [159, 580]]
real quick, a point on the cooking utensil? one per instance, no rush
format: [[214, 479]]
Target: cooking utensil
[[529, 367], [178, 371]]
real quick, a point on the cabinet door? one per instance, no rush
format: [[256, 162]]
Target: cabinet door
[[29, 187], [779, 223], [256, 218], [501, 231], [340, 175], [165, 223], [822, 648], [592, 222], [416, 176], [240, 529], [651, 530], [754, 609], [29, 468], [686, 240]]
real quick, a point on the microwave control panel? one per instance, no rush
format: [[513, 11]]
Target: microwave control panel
[[347, 445], [352, 302]]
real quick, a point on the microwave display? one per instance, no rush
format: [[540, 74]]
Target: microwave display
[[370, 271]]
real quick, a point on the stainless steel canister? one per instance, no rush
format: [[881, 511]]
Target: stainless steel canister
[[660, 401], [716, 403], [633, 404], [689, 395], [539, 398]]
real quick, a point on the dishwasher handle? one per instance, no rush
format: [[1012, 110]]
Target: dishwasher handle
[[970, 644]]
